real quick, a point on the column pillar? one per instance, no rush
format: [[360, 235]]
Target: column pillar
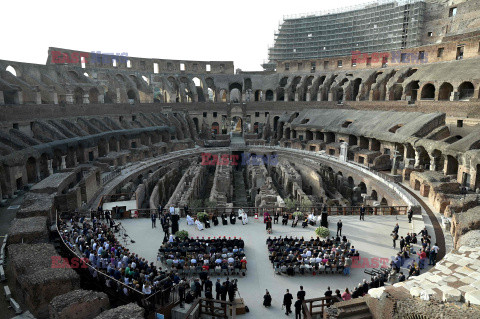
[[37, 170], [19, 97], [64, 162], [308, 98], [275, 96], [2, 99], [69, 98], [86, 99], [119, 96], [55, 98], [38, 97], [50, 166], [433, 165], [417, 159]]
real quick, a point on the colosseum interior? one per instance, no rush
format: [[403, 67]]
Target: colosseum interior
[[85, 133]]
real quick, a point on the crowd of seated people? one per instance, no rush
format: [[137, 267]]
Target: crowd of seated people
[[111, 263], [291, 255], [210, 256]]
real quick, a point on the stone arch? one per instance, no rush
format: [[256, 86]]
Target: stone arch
[[445, 92], [356, 88], [362, 187], [247, 84], [31, 167], [384, 202], [78, 95], [452, 166], [195, 121], [428, 92], [132, 96], [258, 95], [93, 95], [352, 140], [350, 182], [396, 92], [223, 95], [374, 195], [411, 89], [465, 90], [269, 95], [235, 90], [215, 128]]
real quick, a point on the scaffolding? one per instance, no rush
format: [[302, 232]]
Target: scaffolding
[[376, 27]]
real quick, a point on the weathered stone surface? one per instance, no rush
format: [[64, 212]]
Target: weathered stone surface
[[35, 204], [130, 311], [30, 266], [471, 239], [28, 230], [377, 292], [452, 295], [473, 297], [78, 304]]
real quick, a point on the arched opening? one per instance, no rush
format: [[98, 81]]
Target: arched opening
[[411, 90], [235, 92], [363, 143], [374, 195], [356, 88], [78, 96], [428, 92], [396, 92], [195, 121], [248, 84], [352, 140], [132, 97], [283, 81], [281, 94], [93, 95], [308, 135], [199, 89], [211, 95], [423, 157], [31, 170], [465, 90], [445, 92], [452, 166], [339, 94], [258, 95], [215, 128], [275, 122], [351, 182], [237, 124], [384, 202], [255, 127], [269, 95], [363, 188], [223, 95]]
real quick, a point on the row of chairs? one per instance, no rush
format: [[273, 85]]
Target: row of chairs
[[307, 270]]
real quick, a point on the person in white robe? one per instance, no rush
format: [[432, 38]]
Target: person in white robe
[[240, 213], [199, 225], [190, 220], [244, 218], [170, 239]]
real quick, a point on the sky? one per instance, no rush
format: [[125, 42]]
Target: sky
[[212, 30]]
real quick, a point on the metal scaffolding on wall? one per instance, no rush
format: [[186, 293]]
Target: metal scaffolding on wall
[[378, 27]]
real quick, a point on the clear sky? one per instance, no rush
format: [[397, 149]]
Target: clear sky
[[192, 30]]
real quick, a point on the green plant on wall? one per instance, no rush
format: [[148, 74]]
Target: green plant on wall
[[306, 204], [181, 234], [195, 204], [290, 204], [322, 232], [210, 204], [202, 216], [299, 214]]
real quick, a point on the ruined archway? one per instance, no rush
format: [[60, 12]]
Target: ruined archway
[[465, 90], [428, 92], [445, 92]]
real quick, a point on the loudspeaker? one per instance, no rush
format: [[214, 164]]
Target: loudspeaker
[[324, 221]]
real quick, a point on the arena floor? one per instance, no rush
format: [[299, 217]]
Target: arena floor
[[371, 237]]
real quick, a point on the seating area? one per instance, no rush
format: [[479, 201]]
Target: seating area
[[292, 255], [109, 262], [219, 256]]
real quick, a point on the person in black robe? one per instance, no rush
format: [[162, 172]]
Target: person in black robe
[[215, 220], [224, 219], [207, 222], [175, 219], [232, 218], [284, 219]]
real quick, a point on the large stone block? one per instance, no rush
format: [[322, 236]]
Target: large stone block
[[452, 295], [28, 230], [473, 297], [78, 304], [130, 311]]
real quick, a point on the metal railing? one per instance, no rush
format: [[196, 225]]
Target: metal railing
[[260, 211]]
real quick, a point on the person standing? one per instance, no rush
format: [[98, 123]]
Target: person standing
[[396, 228], [402, 243], [287, 302], [432, 256], [339, 227], [181, 293], [218, 289], [394, 237], [410, 215], [154, 220], [301, 294], [362, 212], [276, 216], [298, 308], [267, 299]]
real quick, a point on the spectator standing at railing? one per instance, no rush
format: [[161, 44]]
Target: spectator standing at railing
[[339, 227], [181, 293], [410, 215]]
